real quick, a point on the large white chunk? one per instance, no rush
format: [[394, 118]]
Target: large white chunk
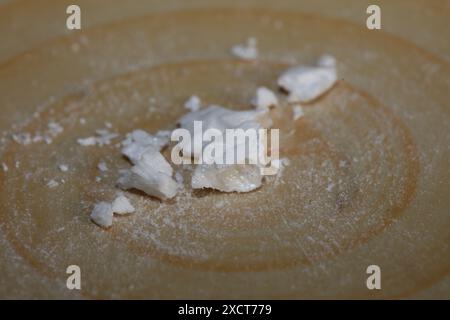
[[306, 84], [264, 99], [121, 205], [227, 178], [102, 214], [216, 117]]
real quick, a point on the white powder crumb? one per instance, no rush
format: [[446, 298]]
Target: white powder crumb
[[102, 214], [330, 187], [91, 141], [104, 137], [108, 125], [5, 167], [98, 179], [264, 99], [102, 166], [298, 112], [52, 184], [64, 167], [121, 205], [305, 84], [82, 121], [17, 164], [193, 104], [248, 51], [22, 138]]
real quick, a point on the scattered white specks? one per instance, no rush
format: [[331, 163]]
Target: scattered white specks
[[63, 167], [248, 51], [104, 137], [193, 104], [298, 112]]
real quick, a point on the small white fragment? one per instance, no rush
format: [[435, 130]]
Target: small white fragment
[[102, 166], [306, 84], [82, 121], [91, 141], [327, 61], [121, 205], [52, 184], [5, 167], [64, 168], [102, 214], [298, 112], [248, 51], [264, 99], [193, 104]]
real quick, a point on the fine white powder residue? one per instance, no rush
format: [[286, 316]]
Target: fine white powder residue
[[247, 51]]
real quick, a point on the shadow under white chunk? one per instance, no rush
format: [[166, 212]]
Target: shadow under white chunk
[[307, 83]]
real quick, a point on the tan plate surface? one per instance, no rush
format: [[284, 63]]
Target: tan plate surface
[[368, 181]]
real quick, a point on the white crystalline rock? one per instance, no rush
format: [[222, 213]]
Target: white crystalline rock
[[219, 118], [139, 142], [298, 112], [102, 214], [121, 205], [247, 51], [151, 172], [193, 104], [307, 83], [227, 178], [264, 99]]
